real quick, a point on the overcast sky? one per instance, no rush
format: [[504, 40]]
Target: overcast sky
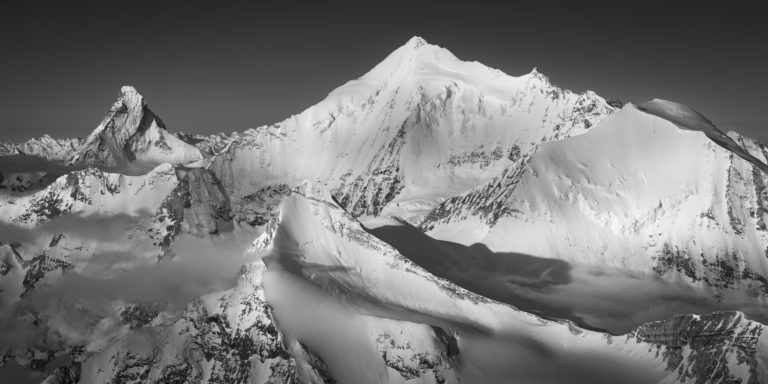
[[210, 67]]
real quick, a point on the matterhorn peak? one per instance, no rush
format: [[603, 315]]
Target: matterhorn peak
[[128, 89], [130, 97], [132, 132]]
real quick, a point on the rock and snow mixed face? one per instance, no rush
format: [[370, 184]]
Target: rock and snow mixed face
[[131, 134], [403, 322], [135, 261], [420, 127], [45, 147], [635, 195], [34, 163]]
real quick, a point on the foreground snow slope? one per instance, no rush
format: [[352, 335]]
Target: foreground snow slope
[[319, 243], [346, 307]]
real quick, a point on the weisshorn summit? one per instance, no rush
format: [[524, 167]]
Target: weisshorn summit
[[433, 221]]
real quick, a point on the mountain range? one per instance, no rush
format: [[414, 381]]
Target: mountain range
[[432, 221]]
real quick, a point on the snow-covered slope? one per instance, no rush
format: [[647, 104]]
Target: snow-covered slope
[[636, 194], [346, 307], [418, 128], [318, 242], [688, 118]]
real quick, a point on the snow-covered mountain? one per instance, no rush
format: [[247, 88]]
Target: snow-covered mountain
[[132, 134], [45, 146], [433, 221], [418, 128], [637, 194]]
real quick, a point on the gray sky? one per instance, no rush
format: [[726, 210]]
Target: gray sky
[[215, 67]]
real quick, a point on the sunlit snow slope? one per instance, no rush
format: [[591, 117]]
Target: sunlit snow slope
[[418, 128]]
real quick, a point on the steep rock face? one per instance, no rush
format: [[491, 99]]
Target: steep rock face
[[207, 206], [418, 128], [131, 132], [224, 337], [636, 193], [714, 348]]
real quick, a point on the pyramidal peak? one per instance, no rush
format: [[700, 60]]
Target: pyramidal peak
[[128, 89], [131, 98], [132, 132]]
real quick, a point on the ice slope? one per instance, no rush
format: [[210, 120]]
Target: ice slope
[[636, 193], [418, 128], [132, 135]]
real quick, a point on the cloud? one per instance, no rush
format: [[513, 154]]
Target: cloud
[[200, 266], [31, 163], [78, 301], [84, 227]]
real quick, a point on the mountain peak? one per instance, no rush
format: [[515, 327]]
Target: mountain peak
[[128, 90], [129, 97], [535, 74], [131, 132], [417, 58], [416, 42], [416, 53]]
